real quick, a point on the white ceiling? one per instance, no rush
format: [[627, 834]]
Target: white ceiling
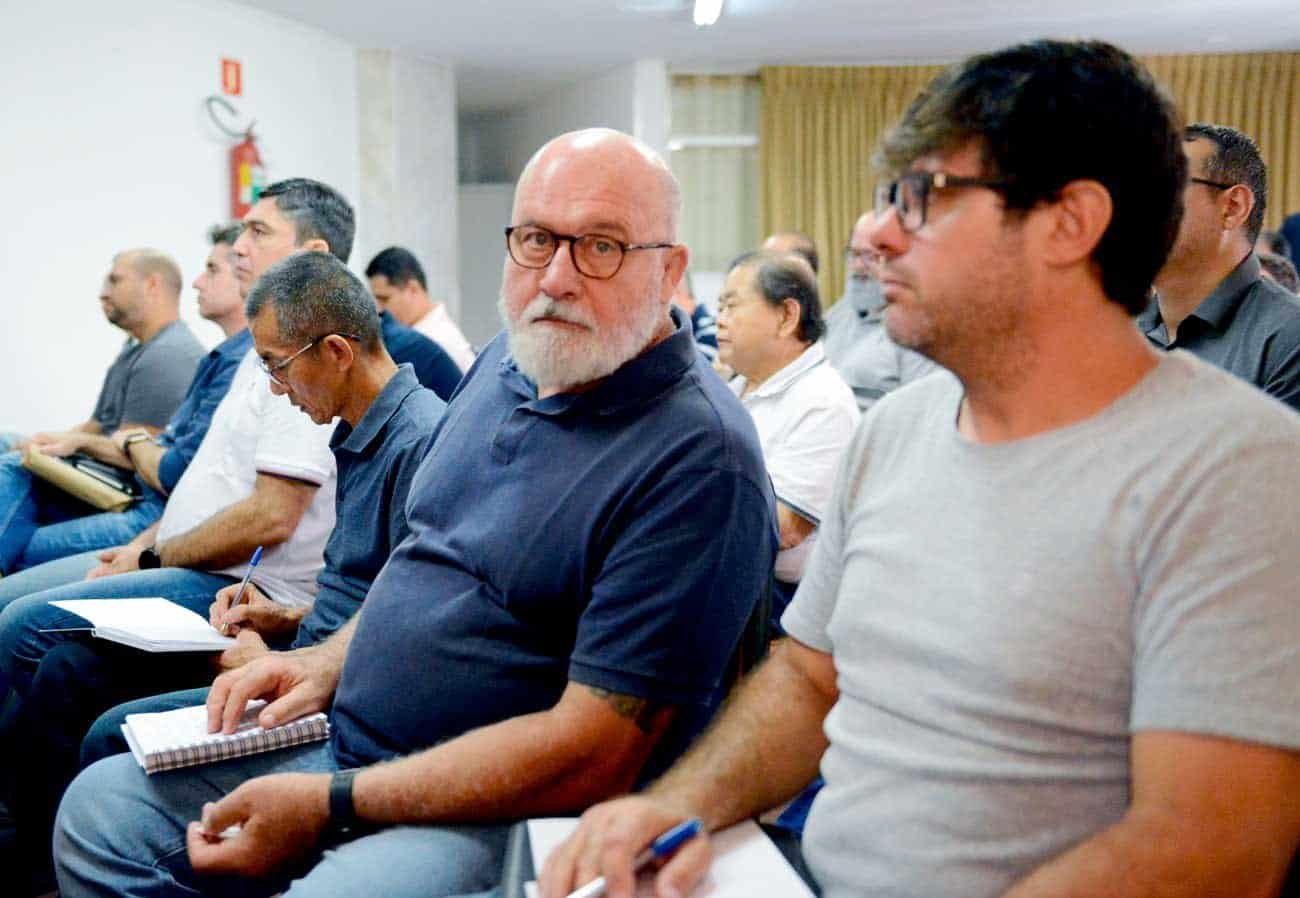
[[509, 51]]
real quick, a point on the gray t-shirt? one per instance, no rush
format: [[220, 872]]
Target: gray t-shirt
[[1004, 616], [147, 381]]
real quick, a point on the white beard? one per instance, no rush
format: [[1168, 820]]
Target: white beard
[[561, 358]]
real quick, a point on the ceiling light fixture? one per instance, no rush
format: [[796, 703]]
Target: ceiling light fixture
[[707, 12]]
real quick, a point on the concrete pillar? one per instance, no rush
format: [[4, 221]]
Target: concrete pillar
[[407, 121]]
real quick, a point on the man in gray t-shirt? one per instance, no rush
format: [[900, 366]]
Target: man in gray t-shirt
[[1047, 643], [149, 377]]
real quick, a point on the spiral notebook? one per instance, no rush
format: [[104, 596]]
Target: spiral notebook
[[171, 739]]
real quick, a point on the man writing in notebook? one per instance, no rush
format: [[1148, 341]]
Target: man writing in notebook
[[535, 644], [386, 417], [1046, 643]]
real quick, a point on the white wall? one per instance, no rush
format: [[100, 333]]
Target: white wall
[[632, 98], [107, 146], [495, 148]]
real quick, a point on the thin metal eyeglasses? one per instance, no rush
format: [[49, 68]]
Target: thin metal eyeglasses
[[595, 255], [1218, 185], [909, 196], [274, 369]]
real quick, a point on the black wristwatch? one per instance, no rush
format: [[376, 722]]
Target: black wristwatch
[[343, 815], [149, 559]]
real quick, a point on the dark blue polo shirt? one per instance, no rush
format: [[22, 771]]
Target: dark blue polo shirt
[[618, 538], [433, 367], [376, 462], [1249, 326], [186, 429]]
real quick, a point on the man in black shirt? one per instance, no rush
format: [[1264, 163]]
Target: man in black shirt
[[1211, 297]]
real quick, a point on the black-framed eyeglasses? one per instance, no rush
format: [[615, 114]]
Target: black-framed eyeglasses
[[275, 368], [595, 255], [861, 256], [909, 196], [1217, 185]]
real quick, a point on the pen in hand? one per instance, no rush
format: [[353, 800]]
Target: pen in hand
[[661, 848], [243, 586]]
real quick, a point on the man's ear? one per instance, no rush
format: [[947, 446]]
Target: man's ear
[[314, 245], [1071, 226], [674, 267], [1238, 202], [790, 313], [340, 351]]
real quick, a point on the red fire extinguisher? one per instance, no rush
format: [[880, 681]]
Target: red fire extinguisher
[[247, 177]]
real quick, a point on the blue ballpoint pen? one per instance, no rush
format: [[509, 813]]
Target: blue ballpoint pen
[[660, 849], [243, 586]]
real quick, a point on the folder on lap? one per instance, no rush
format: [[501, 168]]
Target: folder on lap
[[93, 482]]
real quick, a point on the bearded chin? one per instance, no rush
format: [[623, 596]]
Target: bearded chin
[[560, 358]]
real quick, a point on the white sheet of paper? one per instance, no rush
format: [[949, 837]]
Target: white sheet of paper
[[150, 620], [745, 863]]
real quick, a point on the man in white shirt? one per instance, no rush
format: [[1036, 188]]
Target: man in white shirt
[[399, 286], [769, 332]]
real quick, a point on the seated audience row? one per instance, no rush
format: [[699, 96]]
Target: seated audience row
[[526, 602]]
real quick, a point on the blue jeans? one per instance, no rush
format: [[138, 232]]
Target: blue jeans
[[120, 832], [105, 739], [23, 644], [39, 523], [72, 569]]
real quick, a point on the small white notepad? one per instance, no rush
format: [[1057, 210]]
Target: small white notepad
[[170, 739], [152, 624], [745, 863]]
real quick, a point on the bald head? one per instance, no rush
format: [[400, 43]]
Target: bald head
[[148, 262], [611, 162], [793, 242]]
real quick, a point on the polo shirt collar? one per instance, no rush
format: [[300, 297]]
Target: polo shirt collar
[[638, 381], [1216, 309], [779, 382], [357, 440]]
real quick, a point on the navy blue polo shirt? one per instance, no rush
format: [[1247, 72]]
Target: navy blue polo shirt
[[433, 367], [188, 426], [618, 538], [1249, 326], [376, 462]]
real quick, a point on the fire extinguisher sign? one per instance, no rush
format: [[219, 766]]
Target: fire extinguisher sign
[[232, 81]]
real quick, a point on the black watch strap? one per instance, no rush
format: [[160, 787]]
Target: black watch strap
[[149, 559], [343, 815]]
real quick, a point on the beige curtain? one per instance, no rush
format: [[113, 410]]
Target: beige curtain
[[819, 127], [1256, 93]]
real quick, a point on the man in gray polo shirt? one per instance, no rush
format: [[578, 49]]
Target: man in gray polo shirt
[[1046, 642], [857, 345], [1213, 300], [147, 380], [143, 387]]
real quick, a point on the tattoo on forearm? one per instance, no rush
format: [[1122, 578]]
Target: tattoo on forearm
[[638, 710]]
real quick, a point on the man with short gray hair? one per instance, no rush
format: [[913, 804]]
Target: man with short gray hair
[[385, 417]]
